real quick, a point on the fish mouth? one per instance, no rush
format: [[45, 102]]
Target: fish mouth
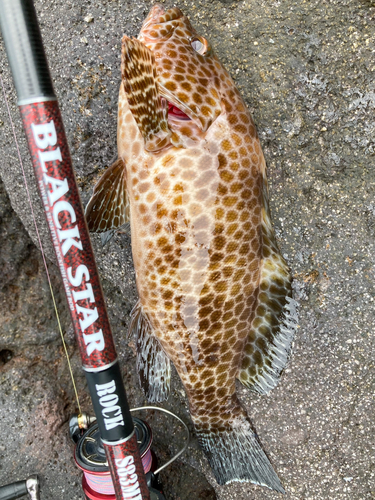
[[158, 15]]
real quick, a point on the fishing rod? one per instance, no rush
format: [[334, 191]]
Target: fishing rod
[[114, 431]]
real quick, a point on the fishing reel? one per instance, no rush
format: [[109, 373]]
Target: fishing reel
[[89, 455]]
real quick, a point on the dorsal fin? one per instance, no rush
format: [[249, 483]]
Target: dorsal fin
[[150, 111], [109, 207], [275, 321]]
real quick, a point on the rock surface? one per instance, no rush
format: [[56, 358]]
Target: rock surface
[[306, 71]]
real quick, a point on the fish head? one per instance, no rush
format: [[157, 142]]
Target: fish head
[[189, 75]]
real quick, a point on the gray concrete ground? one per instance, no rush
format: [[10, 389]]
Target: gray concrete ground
[[306, 71]]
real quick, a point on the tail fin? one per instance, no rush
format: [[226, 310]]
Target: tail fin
[[236, 455]]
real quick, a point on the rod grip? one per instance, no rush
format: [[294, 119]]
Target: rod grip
[[23, 43], [13, 490]]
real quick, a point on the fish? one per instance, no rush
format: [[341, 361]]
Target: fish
[[215, 293]]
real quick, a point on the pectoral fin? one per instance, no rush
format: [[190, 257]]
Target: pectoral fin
[[148, 108], [153, 365], [108, 208], [275, 321]]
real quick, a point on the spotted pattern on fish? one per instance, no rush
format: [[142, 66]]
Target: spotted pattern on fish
[[214, 291]]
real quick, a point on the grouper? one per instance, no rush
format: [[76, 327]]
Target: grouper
[[215, 295]]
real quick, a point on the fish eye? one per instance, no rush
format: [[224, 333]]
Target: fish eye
[[199, 45]]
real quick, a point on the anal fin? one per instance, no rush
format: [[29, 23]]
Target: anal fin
[[153, 365], [275, 321]]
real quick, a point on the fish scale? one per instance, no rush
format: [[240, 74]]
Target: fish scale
[[214, 292]]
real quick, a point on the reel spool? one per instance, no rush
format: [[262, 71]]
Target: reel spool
[[90, 456]]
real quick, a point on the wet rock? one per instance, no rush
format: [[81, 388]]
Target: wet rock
[[183, 483], [27, 314], [305, 70]]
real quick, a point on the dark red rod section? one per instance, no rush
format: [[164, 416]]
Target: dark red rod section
[[65, 216]]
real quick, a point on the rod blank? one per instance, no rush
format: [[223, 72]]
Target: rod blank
[[20, 30]]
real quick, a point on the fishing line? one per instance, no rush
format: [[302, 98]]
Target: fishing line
[[164, 410], [43, 125], [41, 246]]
